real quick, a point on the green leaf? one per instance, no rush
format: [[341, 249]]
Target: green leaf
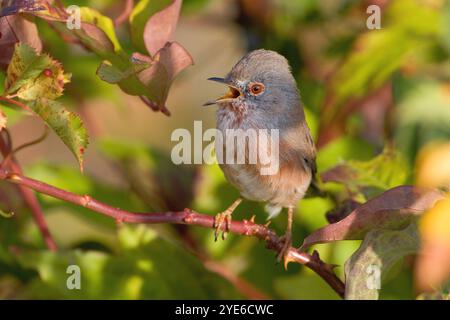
[[32, 76], [144, 267], [127, 79], [299, 287], [378, 253], [387, 170], [149, 77], [26, 65], [66, 124]]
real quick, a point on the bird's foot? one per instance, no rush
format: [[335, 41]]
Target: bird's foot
[[224, 217], [284, 252], [219, 220]]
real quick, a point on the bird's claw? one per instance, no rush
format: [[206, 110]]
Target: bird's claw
[[219, 220], [284, 252]]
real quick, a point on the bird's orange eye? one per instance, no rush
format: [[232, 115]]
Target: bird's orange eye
[[256, 88]]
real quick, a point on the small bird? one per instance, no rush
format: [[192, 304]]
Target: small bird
[[263, 94]]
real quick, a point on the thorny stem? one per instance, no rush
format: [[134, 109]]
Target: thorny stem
[[187, 217]]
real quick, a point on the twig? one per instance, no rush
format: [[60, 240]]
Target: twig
[[28, 196], [15, 102], [125, 14], [188, 217]]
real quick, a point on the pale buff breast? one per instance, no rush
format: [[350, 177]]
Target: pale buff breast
[[282, 189]]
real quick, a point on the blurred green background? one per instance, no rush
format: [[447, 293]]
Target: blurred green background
[[362, 90]]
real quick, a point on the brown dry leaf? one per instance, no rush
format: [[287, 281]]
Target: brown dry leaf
[[160, 27], [13, 29], [393, 209], [433, 264]]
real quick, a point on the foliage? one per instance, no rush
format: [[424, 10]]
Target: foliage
[[378, 102]]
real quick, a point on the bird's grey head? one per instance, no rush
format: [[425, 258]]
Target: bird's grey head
[[261, 80]]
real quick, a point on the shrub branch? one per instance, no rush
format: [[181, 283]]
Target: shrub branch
[[187, 217]]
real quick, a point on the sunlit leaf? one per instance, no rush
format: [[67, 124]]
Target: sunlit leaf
[[378, 253], [31, 76], [101, 21], [66, 124], [26, 65]]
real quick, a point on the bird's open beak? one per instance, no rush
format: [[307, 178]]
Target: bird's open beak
[[232, 93]]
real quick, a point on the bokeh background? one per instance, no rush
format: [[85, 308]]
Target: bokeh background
[[363, 91]]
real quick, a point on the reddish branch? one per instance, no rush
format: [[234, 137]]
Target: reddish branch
[[28, 196], [188, 217]]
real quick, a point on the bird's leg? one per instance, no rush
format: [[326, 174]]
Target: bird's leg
[[222, 217], [287, 239]]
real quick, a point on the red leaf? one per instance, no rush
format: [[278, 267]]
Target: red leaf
[[168, 62], [95, 38], [174, 58], [391, 210], [160, 27], [15, 29]]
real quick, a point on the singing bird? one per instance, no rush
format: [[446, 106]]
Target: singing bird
[[263, 94]]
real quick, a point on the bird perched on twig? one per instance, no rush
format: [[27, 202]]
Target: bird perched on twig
[[263, 95]]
